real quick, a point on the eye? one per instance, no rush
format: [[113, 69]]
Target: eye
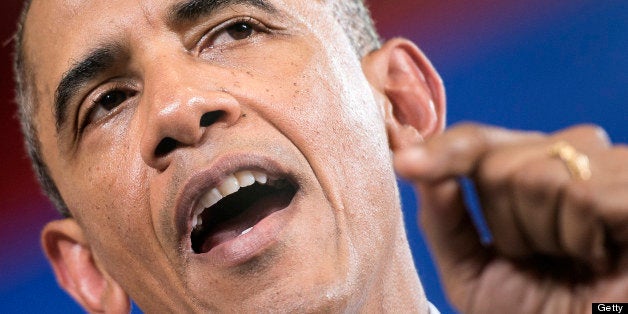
[[235, 31], [240, 31], [111, 99], [105, 103]]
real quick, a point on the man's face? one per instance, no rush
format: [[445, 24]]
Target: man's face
[[166, 103]]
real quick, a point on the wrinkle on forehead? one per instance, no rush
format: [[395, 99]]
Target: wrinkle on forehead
[[73, 7], [62, 30]]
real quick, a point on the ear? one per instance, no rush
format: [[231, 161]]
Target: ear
[[410, 90], [77, 271]]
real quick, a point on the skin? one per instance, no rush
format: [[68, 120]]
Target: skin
[[282, 94], [559, 241]]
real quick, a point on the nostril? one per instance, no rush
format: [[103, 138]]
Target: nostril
[[210, 118], [166, 146]]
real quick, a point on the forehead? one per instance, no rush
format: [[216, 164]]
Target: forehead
[[58, 32]]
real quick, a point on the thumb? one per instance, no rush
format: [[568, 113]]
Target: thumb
[[454, 241]]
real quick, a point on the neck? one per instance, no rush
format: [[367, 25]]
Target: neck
[[399, 286]]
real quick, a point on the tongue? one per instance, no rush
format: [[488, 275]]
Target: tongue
[[233, 227]]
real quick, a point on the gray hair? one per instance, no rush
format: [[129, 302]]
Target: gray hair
[[355, 17], [352, 15], [26, 98]]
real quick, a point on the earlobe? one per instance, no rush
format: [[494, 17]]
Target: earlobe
[[413, 90], [77, 272]]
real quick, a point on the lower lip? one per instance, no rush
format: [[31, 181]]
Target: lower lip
[[243, 248]]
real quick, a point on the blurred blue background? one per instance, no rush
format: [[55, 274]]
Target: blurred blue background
[[519, 64]]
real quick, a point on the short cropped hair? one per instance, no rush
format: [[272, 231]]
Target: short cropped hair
[[353, 16]]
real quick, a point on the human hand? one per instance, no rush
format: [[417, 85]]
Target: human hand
[[559, 241]]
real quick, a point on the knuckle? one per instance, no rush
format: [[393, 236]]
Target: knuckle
[[469, 130], [580, 196], [589, 128], [620, 152], [525, 178], [538, 183], [465, 125], [535, 178], [610, 165], [589, 132], [602, 135], [494, 172], [463, 137]]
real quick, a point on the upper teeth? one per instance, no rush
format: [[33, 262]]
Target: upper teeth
[[231, 184]]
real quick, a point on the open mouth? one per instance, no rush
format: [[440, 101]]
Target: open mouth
[[237, 204]]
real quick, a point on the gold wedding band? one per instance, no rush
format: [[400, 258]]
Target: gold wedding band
[[576, 163]]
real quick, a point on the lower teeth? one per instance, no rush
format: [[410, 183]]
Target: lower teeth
[[246, 231]]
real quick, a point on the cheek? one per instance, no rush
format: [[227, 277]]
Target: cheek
[[318, 98], [323, 104], [109, 164], [109, 191], [114, 205]]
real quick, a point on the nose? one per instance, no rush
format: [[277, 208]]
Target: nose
[[181, 109]]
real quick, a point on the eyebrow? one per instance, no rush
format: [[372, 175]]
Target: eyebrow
[[192, 10], [82, 72], [103, 58]]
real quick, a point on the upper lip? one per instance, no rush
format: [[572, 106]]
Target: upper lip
[[209, 177]]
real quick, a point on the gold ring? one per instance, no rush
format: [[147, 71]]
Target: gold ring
[[577, 163]]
